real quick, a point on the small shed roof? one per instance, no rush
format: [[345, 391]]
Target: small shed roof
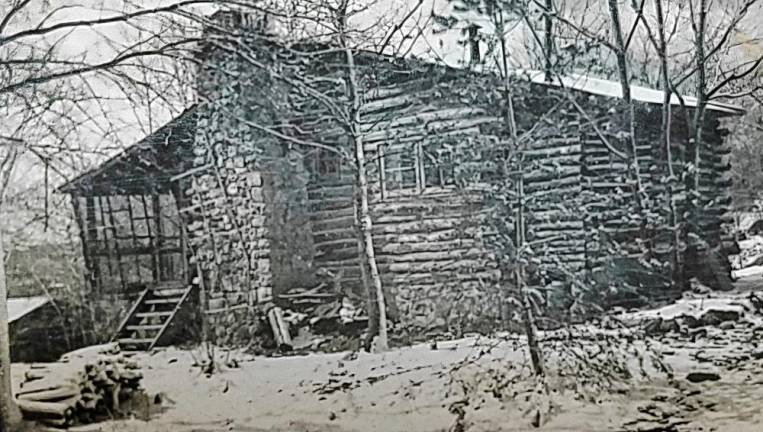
[[18, 307]]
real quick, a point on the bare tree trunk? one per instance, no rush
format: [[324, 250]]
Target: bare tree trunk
[[678, 275], [365, 225], [699, 114], [368, 256], [692, 152], [622, 66], [371, 303], [662, 52], [531, 331], [640, 196], [9, 413], [528, 318]]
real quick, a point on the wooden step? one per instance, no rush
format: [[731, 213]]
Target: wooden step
[[130, 341], [153, 314], [169, 292], [170, 284], [145, 327], [163, 300], [135, 335]]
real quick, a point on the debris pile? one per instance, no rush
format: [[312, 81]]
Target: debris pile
[[715, 331], [686, 324], [82, 387], [697, 311], [320, 308], [310, 315], [750, 253]]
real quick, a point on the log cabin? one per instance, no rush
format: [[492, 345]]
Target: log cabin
[[250, 191]]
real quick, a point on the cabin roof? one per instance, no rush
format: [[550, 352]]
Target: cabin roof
[[123, 166], [18, 307], [613, 89], [151, 155], [583, 83]]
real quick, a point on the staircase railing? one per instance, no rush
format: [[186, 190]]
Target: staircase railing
[[135, 305], [175, 311]]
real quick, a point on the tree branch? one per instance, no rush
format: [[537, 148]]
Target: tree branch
[[14, 10], [735, 76], [116, 61]]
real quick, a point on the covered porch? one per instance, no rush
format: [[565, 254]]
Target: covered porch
[[133, 237]]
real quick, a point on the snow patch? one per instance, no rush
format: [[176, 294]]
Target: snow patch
[[747, 272], [614, 89], [694, 307], [21, 306]]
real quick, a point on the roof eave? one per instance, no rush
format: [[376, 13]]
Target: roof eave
[[79, 183]]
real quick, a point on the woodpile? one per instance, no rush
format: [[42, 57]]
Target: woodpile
[[82, 387], [307, 300], [280, 329], [324, 305], [304, 317]]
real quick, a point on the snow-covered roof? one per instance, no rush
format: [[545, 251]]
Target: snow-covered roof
[[18, 307], [613, 89]]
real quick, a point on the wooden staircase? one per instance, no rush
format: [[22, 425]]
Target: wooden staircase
[[150, 316]]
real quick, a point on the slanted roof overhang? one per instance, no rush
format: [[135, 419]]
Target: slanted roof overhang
[[144, 166], [613, 89]]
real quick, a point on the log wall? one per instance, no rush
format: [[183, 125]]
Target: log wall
[[553, 183], [580, 197], [715, 184], [431, 253], [431, 240], [429, 237], [435, 266], [332, 220]]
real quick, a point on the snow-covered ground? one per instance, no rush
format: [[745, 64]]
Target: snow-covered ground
[[407, 389], [694, 306], [750, 271], [482, 384]]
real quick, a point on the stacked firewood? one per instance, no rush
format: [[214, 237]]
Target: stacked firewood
[[82, 387]]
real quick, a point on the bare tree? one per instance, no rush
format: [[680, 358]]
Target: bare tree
[[661, 46], [363, 211], [520, 229], [620, 48], [705, 67], [699, 26], [9, 414], [53, 99]]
